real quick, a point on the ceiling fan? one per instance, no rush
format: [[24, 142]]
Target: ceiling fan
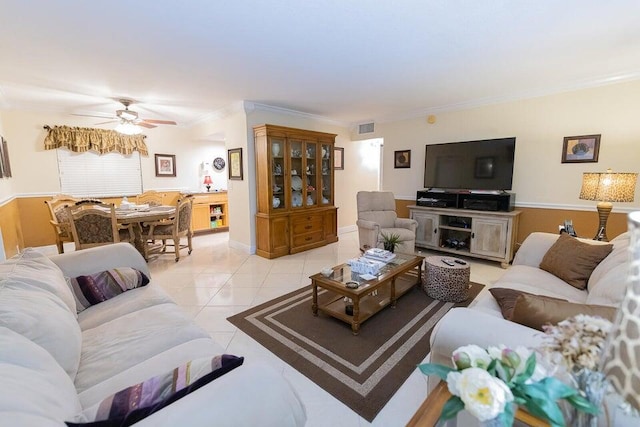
[[129, 120]]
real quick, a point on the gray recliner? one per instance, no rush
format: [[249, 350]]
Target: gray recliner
[[376, 215]]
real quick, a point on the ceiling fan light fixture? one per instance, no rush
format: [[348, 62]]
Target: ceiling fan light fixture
[[128, 128], [127, 114]]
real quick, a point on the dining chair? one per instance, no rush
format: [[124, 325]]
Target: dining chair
[[94, 224], [172, 230], [60, 219], [150, 197]]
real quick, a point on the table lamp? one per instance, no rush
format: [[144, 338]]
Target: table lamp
[[622, 352], [607, 187], [207, 182]]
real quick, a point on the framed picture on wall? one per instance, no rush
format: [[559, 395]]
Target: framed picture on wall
[[338, 158], [165, 165], [235, 163], [581, 149], [402, 159]]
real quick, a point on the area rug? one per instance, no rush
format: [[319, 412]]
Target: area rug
[[362, 371]]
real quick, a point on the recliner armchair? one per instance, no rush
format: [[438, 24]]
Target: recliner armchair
[[376, 215]]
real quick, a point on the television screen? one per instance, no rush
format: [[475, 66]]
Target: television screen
[[470, 165]]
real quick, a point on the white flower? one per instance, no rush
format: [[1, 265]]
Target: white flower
[[484, 396], [471, 356], [496, 352]]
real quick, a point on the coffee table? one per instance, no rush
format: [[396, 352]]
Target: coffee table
[[370, 296]]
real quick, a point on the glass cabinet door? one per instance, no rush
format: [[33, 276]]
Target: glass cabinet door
[[277, 152], [297, 169], [326, 165], [311, 183]]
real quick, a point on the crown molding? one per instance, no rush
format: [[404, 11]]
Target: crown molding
[[517, 96], [280, 110]]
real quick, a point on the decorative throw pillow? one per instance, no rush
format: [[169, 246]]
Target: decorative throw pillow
[[134, 403], [537, 310], [506, 299], [572, 260], [95, 288]]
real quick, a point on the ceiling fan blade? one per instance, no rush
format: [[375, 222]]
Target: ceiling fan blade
[[100, 116], [146, 125], [160, 122], [104, 123]]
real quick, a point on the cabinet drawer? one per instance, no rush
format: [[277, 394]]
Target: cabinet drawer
[[300, 227], [303, 219], [307, 239]]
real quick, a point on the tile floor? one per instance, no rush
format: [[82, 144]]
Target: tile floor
[[215, 282]]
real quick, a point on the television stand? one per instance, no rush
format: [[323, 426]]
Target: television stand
[[481, 234]]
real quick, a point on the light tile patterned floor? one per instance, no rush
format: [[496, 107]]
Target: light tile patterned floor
[[215, 282]]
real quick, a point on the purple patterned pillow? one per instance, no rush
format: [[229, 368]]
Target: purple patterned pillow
[[95, 288], [132, 404]]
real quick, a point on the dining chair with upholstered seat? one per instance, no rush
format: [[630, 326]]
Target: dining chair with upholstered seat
[[95, 224], [60, 220], [171, 231], [150, 197]]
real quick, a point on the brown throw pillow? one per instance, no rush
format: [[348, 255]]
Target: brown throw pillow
[[537, 310], [572, 260], [506, 299]]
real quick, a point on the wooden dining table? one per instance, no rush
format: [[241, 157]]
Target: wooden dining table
[[137, 216]]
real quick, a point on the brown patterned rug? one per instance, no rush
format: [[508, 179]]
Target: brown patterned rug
[[362, 371]]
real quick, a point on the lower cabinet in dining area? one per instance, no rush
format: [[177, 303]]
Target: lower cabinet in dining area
[[279, 235], [210, 212]]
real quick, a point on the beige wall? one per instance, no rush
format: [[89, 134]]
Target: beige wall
[[232, 130], [540, 124]]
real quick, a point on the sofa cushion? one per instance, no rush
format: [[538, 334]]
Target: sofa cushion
[[43, 318], [35, 389], [104, 285], [132, 339], [128, 302], [573, 260], [138, 401], [535, 311], [36, 270]]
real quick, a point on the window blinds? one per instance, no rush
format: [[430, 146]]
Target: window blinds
[[91, 175]]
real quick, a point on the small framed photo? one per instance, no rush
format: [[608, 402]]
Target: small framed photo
[[165, 165], [402, 159], [581, 149], [338, 158], [235, 163]]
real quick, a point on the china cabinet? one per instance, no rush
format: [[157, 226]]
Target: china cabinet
[[295, 190]]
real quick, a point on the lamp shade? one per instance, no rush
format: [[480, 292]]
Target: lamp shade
[[207, 180], [608, 186], [622, 353]]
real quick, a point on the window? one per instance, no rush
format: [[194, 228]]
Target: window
[[91, 175]]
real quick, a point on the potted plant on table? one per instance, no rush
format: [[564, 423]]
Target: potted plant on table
[[390, 241]]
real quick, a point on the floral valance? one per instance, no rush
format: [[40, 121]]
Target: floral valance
[[101, 140]]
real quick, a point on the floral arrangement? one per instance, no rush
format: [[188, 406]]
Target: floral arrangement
[[490, 383], [578, 340]]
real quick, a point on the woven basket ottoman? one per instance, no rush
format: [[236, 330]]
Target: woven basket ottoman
[[446, 282]]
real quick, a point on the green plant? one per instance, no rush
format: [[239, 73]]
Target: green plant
[[390, 241]]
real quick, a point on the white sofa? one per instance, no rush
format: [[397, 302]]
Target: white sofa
[[482, 323], [55, 363]]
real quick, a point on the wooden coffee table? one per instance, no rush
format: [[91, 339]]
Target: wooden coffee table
[[371, 296]]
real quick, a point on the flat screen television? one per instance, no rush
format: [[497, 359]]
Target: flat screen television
[[470, 165]]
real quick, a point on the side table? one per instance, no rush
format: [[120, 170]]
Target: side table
[[446, 280]]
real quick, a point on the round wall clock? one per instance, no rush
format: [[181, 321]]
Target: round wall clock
[[218, 163]]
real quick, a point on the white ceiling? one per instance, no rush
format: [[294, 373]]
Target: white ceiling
[[347, 60]]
